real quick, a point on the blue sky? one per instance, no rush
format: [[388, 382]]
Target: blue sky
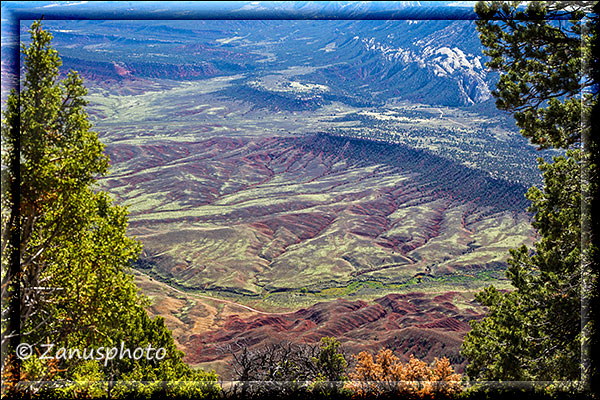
[[13, 11], [132, 8]]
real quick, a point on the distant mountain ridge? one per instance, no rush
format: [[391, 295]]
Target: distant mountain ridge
[[431, 62]]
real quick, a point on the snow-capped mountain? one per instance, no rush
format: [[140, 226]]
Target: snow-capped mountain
[[466, 70], [429, 61]]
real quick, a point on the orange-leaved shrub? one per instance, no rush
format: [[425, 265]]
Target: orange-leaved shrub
[[386, 375]]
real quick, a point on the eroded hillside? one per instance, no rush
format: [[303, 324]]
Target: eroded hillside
[[271, 217]]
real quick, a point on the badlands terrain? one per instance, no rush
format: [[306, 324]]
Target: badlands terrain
[[293, 179]]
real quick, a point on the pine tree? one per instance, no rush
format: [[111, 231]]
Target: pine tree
[[70, 283], [535, 332]]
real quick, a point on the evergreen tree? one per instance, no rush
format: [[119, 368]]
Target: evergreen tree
[[70, 284], [536, 331], [331, 366]]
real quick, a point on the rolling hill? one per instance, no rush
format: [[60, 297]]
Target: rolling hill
[[276, 215]]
